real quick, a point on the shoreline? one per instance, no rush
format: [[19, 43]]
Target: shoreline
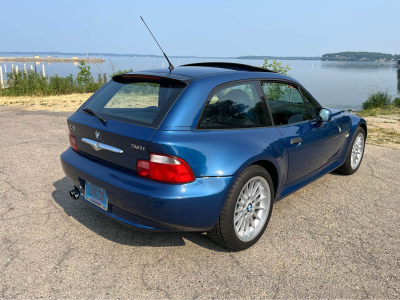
[[49, 59]]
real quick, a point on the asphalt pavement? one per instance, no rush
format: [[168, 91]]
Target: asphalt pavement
[[339, 237]]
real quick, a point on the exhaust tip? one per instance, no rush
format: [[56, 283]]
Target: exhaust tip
[[75, 193]]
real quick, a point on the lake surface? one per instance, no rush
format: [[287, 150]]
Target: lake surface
[[336, 84]]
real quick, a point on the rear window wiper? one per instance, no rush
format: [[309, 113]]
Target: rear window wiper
[[91, 112]]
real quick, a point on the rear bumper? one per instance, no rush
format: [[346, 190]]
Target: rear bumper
[[149, 205]]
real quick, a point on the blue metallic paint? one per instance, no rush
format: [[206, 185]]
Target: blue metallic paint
[[319, 145], [216, 157], [219, 152], [192, 206]]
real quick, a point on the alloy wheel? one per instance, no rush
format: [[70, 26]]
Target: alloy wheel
[[252, 208], [357, 151]]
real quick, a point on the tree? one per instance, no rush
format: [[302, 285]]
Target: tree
[[119, 72], [84, 76], [276, 66]]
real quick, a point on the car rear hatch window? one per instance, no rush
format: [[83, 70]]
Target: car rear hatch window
[[137, 99], [132, 108]]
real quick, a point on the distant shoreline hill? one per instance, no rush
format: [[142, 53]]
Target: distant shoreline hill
[[361, 56], [280, 57]]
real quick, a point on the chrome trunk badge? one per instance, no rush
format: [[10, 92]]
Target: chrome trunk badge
[[97, 135], [101, 146]]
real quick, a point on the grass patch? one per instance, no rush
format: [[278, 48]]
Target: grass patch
[[55, 103], [383, 136], [379, 102], [379, 111]]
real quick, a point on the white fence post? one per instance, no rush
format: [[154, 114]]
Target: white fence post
[[5, 69], [16, 68], [25, 68], [12, 67], [31, 67], [1, 78], [44, 74]]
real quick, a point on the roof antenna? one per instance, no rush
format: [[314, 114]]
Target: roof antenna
[[171, 67]]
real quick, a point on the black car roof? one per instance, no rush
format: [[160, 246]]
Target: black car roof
[[196, 70], [229, 65]]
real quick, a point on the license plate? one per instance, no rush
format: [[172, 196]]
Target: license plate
[[96, 195]]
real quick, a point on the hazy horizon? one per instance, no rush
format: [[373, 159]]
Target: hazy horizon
[[206, 29]]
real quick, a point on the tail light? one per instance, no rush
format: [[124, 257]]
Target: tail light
[[72, 141], [165, 168]]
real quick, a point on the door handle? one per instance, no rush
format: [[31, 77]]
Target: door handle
[[297, 140]]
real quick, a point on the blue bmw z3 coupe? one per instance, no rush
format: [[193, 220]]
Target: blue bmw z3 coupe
[[205, 147]]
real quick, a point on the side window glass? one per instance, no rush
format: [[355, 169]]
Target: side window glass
[[235, 106], [312, 106], [285, 102]]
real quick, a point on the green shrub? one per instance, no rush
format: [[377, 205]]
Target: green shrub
[[276, 66], [396, 102], [119, 72], [35, 84], [62, 85], [377, 99]]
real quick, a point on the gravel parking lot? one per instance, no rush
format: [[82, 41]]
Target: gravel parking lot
[[337, 238]]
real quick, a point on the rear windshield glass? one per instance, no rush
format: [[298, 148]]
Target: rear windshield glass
[[143, 103]]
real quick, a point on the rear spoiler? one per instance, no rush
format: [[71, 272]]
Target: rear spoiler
[[152, 77]]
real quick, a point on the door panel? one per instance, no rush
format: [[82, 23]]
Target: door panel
[[318, 146]]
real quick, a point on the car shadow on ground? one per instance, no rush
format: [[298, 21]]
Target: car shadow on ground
[[336, 173], [119, 233]]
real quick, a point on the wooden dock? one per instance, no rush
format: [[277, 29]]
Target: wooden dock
[[50, 59]]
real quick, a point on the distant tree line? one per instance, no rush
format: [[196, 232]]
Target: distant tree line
[[280, 57], [360, 56]]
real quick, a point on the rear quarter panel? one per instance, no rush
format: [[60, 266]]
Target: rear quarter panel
[[223, 152]]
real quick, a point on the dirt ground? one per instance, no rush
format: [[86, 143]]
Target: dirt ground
[[384, 129]]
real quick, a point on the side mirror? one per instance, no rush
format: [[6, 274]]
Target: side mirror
[[324, 115]]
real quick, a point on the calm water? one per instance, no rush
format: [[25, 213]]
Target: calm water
[[336, 84]]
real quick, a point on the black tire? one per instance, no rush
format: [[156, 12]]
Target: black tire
[[224, 230], [346, 168]]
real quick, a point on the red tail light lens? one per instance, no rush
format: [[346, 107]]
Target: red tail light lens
[[165, 168], [72, 142]]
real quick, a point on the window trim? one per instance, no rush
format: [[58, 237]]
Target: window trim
[[233, 83], [297, 86], [301, 89]]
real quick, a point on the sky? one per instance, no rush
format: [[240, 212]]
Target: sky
[[201, 28]]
